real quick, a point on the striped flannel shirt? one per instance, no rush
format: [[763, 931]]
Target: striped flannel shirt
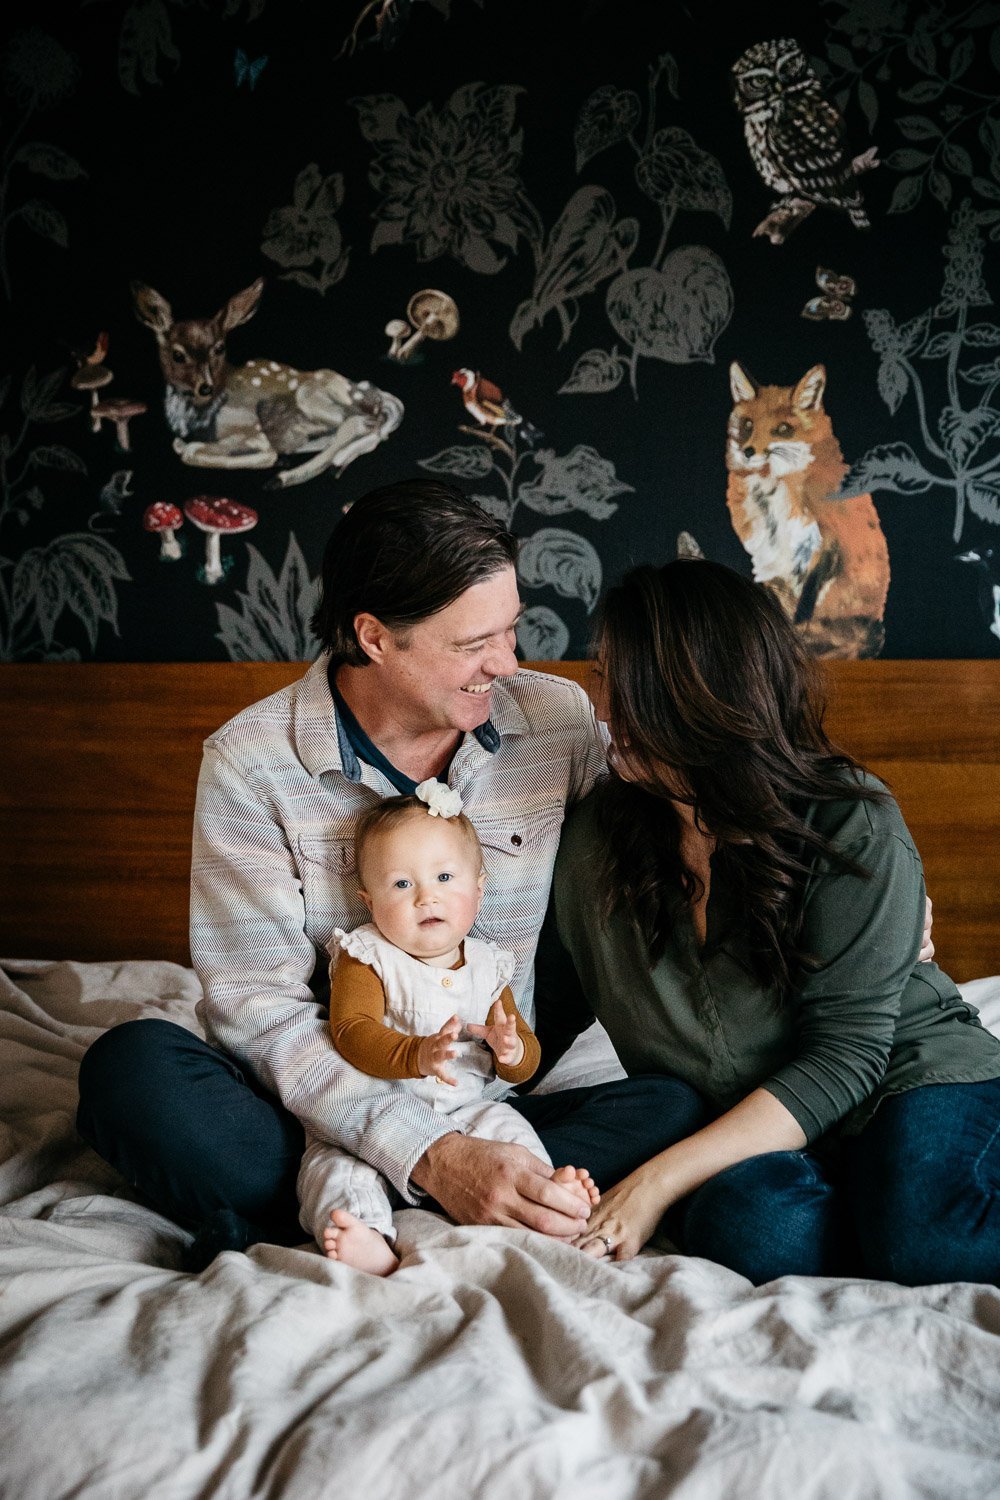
[[273, 873]]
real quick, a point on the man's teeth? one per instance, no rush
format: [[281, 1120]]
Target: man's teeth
[[479, 687]]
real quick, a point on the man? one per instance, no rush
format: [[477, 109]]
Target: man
[[418, 679]]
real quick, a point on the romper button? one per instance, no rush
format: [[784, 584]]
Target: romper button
[[515, 839], [446, 981]]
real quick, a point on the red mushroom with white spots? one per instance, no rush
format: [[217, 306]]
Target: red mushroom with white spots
[[215, 517], [164, 519]]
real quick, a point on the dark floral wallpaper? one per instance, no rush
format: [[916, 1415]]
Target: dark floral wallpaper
[[644, 280]]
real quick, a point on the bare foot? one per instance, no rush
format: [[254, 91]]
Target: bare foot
[[354, 1244], [579, 1181]]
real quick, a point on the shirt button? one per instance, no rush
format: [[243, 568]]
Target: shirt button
[[447, 981], [515, 839]]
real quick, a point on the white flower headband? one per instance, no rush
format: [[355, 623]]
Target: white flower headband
[[441, 801]]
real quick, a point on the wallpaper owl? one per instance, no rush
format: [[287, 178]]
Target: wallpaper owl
[[642, 281]]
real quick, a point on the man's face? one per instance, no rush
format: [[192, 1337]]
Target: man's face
[[423, 882], [438, 673]]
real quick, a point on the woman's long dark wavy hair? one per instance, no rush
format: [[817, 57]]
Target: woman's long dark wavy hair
[[708, 687]]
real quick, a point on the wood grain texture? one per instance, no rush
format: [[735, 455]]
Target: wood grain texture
[[99, 761]]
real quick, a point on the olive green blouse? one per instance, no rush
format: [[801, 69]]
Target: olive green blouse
[[869, 1021]]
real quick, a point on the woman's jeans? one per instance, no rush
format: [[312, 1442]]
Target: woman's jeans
[[197, 1135], [915, 1198]]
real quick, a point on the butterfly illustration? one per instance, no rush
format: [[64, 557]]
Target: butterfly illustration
[[247, 71], [835, 301]]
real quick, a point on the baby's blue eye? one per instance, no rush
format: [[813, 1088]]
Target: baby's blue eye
[[400, 885], [445, 876]]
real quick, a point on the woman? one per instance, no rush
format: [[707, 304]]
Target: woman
[[744, 904]]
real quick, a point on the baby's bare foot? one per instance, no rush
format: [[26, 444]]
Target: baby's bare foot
[[355, 1244], [579, 1181]]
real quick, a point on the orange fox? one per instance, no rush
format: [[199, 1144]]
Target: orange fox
[[825, 559]]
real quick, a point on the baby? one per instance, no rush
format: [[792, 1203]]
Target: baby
[[407, 993]]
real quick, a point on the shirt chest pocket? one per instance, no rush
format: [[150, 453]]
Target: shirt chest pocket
[[518, 855], [329, 886]]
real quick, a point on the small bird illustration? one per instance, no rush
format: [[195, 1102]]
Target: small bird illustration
[[484, 401], [98, 354]]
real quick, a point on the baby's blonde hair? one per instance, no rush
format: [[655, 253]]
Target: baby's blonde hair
[[392, 811]]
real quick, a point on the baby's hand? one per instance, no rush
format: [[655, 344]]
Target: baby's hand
[[501, 1036], [434, 1052]]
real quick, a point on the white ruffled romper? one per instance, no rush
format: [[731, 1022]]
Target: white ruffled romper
[[419, 999]]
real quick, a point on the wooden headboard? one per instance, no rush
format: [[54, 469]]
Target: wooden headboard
[[98, 765]]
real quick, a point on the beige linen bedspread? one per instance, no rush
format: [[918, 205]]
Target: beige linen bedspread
[[494, 1364]]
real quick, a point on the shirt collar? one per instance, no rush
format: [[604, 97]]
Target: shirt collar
[[322, 742]]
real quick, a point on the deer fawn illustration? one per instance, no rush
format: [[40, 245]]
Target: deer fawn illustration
[[825, 558], [249, 416]]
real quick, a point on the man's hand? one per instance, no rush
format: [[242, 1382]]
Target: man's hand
[[500, 1035], [493, 1182], [434, 1052], [927, 946]]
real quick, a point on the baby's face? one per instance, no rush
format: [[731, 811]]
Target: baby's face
[[423, 883]]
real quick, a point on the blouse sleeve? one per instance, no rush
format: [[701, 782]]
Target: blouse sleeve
[[865, 937], [532, 1052], [357, 1024]]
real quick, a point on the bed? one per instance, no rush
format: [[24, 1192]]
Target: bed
[[494, 1363]]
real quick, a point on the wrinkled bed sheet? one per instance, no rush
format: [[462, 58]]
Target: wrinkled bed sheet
[[493, 1364]]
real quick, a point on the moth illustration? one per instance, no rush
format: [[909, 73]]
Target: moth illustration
[[247, 71], [836, 293]]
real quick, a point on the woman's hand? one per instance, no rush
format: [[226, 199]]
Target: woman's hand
[[627, 1215], [500, 1035]]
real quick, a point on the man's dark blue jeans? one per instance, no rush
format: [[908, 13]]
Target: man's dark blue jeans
[[196, 1134]]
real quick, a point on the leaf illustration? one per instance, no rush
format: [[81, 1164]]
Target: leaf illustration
[[585, 246], [607, 117], [49, 161], [677, 313], [961, 58], [918, 128], [890, 466], [676, 173], [580, 480], [144, 39], [924, 92], [982, 374], [24, 584], [906, 195], [102, 555], [36, 393], [274, 622], [541, 634], [939, 347], [55, 456], [50, 595], [495, 506], [868, 100], [957, 159], [566, 562], [982, 335], [963, 433], [893, 383], [464, 460], [45, 220], [594, 373], [983, 496], [89, 593]]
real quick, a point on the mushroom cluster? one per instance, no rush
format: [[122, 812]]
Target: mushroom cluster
[[215, 516], [432, 315], [92, 375]]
